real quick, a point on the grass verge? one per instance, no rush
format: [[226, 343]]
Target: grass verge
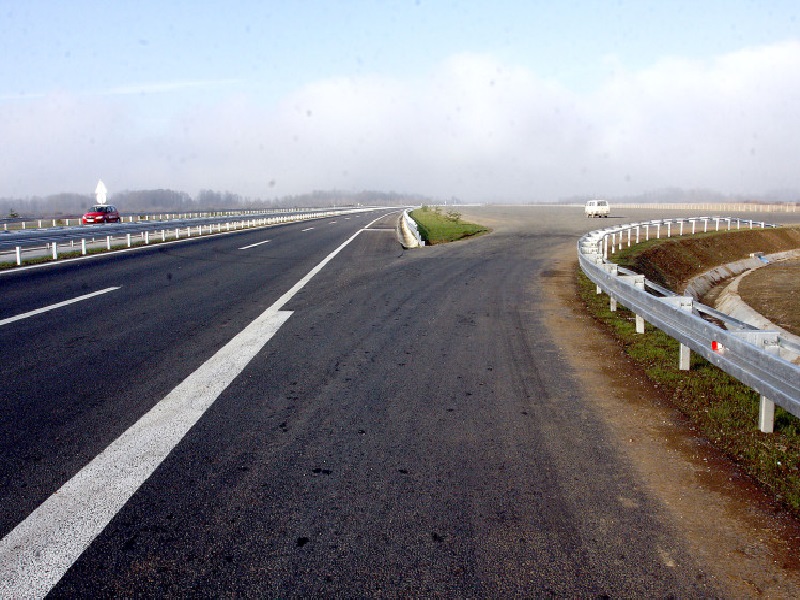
[[724, 410], [436, 227]]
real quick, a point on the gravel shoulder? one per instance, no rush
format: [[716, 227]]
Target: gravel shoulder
[[744, 541]]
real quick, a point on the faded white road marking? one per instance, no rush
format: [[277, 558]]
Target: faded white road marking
[[254, 245], [309, 229], [35, 555], [39, 311]]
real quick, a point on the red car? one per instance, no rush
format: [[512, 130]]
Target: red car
[[102, 213]]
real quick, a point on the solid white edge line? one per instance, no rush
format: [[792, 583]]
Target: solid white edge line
[[35, 555], [45, 309]]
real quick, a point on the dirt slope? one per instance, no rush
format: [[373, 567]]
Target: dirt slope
[[675, 261], [774, 291]]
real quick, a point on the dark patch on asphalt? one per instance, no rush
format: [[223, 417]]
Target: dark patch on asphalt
[[551, 273]]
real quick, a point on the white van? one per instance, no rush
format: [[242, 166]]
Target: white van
[[597, 208]]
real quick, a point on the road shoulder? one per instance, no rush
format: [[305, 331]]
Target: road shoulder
[[745, 541]]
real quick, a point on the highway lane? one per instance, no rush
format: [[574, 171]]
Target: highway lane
[[412, 428], [27, 238], [76, 377], [404, 431]]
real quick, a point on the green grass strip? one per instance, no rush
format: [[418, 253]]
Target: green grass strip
[[438, 227]]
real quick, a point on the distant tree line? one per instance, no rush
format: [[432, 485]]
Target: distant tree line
[[150, 201]]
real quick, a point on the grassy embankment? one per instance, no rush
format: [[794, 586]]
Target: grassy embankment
[[724, 410], [436, 227]]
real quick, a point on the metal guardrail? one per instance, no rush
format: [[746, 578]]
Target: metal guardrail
[[756, 358], [408, 231], [49, 239], [17, 223]]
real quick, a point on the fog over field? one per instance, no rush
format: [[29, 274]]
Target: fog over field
[[507, 111]]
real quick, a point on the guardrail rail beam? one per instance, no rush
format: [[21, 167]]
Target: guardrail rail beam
[[759, 359]]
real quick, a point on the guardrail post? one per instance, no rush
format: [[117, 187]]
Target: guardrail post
[[19, 256], [83, 246], [613, 270], [108, 242], [768, 341], [636, 281], [129, 240], [55, 251], [766, 415], [684, 353]]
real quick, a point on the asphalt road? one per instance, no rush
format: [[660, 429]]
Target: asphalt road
[[408, 427]]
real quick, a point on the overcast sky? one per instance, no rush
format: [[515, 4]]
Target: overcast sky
[[485, 101]]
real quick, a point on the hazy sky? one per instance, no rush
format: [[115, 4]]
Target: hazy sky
[[479, 100]]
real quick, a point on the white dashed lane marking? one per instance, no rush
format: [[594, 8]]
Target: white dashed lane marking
[[254, 245], [45, 309]]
